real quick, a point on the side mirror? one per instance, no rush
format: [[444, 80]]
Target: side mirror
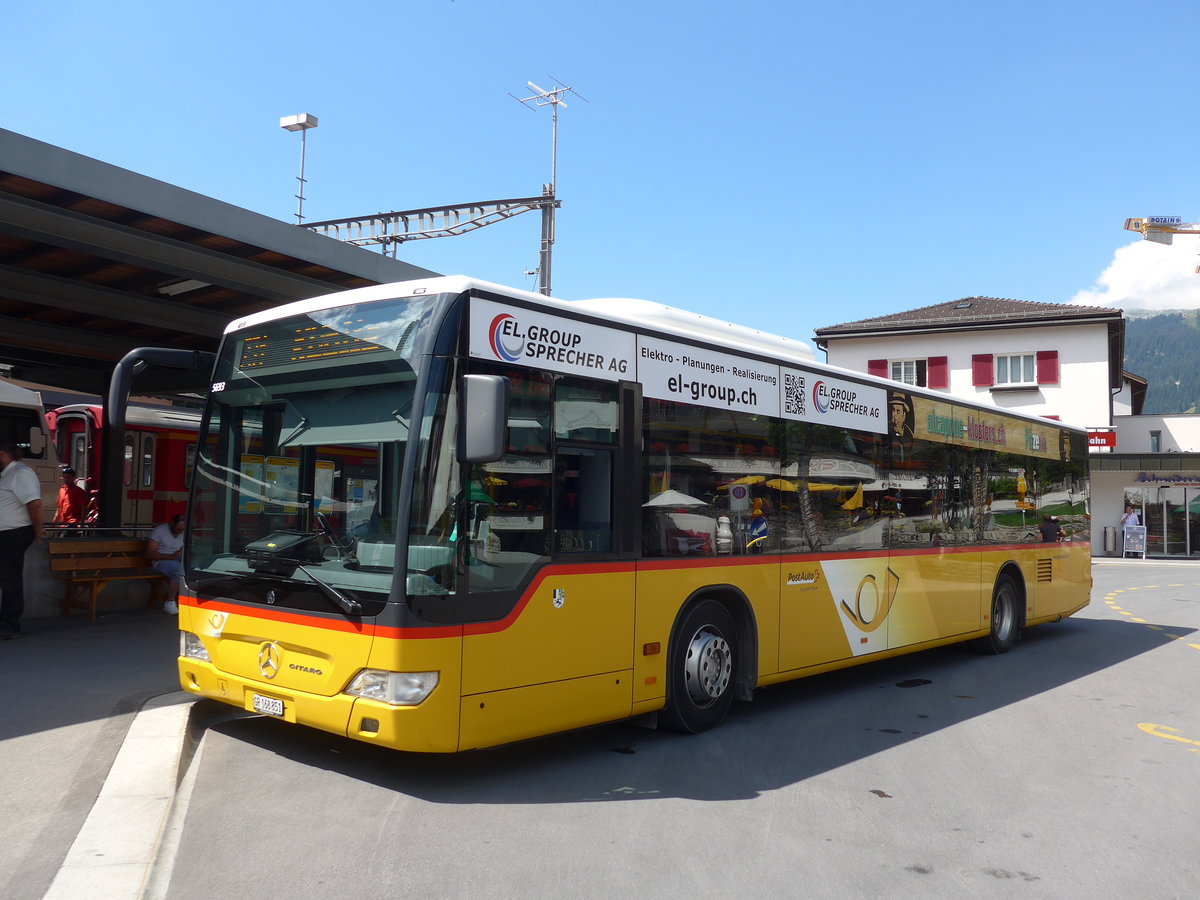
[[482, 418], [37, 441]]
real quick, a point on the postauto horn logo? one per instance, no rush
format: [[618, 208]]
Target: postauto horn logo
[[505, 344]]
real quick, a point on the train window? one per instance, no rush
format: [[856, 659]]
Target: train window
[[127, 474], [78, 454], [147, 460]]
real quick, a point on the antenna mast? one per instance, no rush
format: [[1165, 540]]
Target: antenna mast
[[554, 99]]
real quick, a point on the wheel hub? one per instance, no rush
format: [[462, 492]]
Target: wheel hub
[[708, 667]]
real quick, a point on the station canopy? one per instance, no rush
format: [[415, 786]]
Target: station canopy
[[96, 261]]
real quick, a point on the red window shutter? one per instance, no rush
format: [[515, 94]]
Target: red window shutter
[[937, 372], [1047, 367], [982, 372], [877, 367]]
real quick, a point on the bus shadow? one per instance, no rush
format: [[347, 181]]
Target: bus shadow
[[789, 733]]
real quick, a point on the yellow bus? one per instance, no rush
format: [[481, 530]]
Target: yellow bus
[[443, 515]]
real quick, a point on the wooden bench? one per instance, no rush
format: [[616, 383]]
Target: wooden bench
[[88, 566]]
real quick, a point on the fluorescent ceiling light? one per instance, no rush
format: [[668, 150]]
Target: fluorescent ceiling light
[[171, 288]]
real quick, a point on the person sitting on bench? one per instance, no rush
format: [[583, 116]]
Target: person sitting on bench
[[165, 549]]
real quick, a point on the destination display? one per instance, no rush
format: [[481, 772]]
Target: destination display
[[331, 335], [274, 346]]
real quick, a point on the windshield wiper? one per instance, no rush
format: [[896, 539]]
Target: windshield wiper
[[347, 605], [300, 428]]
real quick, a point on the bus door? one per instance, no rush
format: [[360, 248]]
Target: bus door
[[565, 651]]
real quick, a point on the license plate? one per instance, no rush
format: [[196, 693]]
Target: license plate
[[267, 705]]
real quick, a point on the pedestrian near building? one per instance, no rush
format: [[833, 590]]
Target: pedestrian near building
[[165, 549], [1130, 517], [72, 499], [20, 526]]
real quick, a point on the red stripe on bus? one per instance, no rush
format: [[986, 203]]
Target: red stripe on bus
[[393, 633], [542, 575], [476, 628]]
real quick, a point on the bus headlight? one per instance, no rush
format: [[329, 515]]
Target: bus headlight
[[395, 688], [191, 646]]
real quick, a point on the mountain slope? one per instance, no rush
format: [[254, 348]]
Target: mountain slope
[[1165, 350]]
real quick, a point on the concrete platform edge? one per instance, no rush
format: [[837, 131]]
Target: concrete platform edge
[[115, 851]]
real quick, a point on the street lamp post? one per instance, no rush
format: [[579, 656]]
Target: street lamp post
[[301, 123]]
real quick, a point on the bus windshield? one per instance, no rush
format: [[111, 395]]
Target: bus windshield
[[298, 466]]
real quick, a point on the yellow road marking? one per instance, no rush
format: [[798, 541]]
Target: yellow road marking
[[1132, 618], [1157, 731]]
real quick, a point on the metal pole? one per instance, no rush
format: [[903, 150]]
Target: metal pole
[[547, 241], [300, 178], [544, 258]]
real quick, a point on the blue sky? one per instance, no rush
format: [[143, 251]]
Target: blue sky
[[785, 166]]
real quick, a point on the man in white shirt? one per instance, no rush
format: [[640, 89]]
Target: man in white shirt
[[165, 548], [20, 526]]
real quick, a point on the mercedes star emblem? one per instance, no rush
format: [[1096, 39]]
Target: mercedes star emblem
[[268, 659]]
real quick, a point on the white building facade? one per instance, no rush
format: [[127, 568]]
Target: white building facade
[[1046, 359]]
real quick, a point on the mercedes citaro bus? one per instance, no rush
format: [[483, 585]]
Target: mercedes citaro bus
[[442, 515]]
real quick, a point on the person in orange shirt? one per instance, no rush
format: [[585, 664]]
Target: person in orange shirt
[[71, 499]]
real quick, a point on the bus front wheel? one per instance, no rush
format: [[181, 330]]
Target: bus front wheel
[[702, 662], [1005, 618]]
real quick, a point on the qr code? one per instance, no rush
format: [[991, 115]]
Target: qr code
[[793, 394]]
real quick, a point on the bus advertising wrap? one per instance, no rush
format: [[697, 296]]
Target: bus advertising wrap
[[524, 337], [811, 397], [671, 371], [931, 420]]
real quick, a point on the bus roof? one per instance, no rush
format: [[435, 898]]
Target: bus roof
[[626, 311], [623, 310]]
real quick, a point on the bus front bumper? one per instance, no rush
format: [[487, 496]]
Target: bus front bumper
[[430, 727]]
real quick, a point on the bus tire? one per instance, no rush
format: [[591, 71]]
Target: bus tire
[[1005, 618], [702, 665]]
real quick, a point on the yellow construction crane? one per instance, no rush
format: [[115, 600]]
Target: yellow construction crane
[[1161, 228]]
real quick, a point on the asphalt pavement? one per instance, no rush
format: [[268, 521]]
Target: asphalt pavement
[[92, 733], [95, 740]]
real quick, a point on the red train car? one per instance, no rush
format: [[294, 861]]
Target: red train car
[[159, 453]]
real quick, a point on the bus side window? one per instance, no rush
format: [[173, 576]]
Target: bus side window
[[583, 506]]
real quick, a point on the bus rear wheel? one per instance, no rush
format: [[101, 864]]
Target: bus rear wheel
[[1005, 618], [701, 666]]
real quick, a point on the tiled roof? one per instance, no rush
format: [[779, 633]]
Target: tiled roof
[[971, 311]]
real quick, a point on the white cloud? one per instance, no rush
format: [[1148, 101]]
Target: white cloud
[[1146, 275]]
